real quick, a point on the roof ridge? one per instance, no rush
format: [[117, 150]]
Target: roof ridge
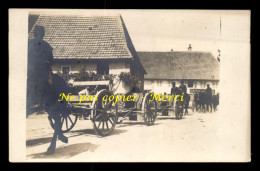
[[77, 15], [175, 51]]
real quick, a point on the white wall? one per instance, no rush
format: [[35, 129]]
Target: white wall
[[74, 67], [114, 68], [117, 68], [161, 86]]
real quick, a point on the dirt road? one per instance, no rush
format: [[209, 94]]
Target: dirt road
[[168, 140]]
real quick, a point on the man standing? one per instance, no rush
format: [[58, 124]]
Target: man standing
[[209, 97], [194, 102], [174, 91], [183, 87]]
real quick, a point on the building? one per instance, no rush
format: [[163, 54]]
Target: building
[[99, 43], [197, 69]]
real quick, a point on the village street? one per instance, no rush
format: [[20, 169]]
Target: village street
[[169, 139]]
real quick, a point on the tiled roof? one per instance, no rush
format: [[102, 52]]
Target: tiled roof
[[180, 65], [81, 37]]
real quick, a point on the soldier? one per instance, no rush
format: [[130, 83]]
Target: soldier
[[209, 97], [183, 87], [42, 89], [174, 91], [164, 104], [39, 68], [194, 103]]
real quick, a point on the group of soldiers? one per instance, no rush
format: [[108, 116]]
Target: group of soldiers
[[200, 101], [181, 91]]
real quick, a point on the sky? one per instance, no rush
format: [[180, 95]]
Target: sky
[[163, 30]]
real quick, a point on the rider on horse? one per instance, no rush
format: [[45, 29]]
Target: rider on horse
[[42, 87]]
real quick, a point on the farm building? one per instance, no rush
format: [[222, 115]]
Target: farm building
[[98, 43], [197, 69]]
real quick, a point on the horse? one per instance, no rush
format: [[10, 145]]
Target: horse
[[48, 101], [201, 102], [215, 101], [204, 101], [208, 98], [186, 98]]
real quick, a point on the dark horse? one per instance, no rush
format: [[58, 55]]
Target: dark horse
[[201, 102], [49, 102], [204, 101], [44, 88], [215, 101], [186, 99]]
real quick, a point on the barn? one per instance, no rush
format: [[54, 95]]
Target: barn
[[97, 43], [196, 68]]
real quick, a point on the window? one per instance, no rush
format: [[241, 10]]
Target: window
[[103, 68], [190, 83], [203, 84], [66, 70]]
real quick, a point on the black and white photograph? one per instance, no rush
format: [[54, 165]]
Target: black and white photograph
[[129, 85]]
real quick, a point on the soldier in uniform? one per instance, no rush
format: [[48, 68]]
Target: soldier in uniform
[[195, 102], [183, 87], [208, 97], [164, 104], [39, 69], [42, 87], [174, 91], [183, 92]]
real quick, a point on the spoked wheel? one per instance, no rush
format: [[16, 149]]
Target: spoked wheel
[[179, 112], [104, 113], [68, 121], [150, 109]]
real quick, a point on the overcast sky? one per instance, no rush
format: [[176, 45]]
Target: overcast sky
[[163, 30]]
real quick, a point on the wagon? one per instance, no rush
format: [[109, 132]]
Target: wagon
[[103, 112], [177, 108]]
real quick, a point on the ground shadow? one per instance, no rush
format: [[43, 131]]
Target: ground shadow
[[170, 118], [93, 132], [189, 114], [40, 141], [125, 124], [117, 131], [67, 151], [84, 131]]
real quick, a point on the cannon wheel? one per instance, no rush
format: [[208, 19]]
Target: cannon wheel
[[104, 114], [67, 122], [179, 112], [149, 109]]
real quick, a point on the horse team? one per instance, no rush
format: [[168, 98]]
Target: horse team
[[204, 102]]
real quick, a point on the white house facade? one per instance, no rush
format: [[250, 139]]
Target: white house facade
[[196, 69]]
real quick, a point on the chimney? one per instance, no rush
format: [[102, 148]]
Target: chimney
[[189, 48]]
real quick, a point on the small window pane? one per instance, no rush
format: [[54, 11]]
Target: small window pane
[[190, 83]]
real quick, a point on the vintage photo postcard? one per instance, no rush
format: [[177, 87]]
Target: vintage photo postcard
[[129, 85]]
